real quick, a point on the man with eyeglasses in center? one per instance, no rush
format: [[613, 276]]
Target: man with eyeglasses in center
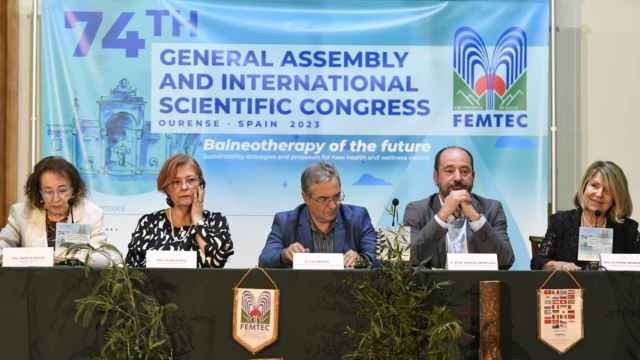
[[323, 224]]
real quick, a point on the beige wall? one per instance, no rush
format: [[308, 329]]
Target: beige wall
[[610, 99], [604, 76]]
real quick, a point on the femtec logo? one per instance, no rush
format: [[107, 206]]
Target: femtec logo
[[256, 315], [490, 90]]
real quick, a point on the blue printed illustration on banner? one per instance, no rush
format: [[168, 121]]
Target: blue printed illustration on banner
[[370, 180], [119, 143]]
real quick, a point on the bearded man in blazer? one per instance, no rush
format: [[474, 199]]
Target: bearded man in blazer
[[454, 219]]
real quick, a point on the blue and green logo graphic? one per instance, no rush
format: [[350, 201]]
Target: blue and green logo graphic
[[490, 82]]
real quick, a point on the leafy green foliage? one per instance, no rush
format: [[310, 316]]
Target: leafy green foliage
[[392, 245], [402, 316], [134, 321]]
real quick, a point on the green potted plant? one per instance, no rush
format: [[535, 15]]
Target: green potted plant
[[133, 321], [402, 315]]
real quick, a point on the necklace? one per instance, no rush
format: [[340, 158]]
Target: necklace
[[184, 235], [50, 228]]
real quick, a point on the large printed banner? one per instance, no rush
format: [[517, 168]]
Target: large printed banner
[[258, 90]]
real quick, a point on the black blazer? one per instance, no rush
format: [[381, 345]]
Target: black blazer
[[561, 241]]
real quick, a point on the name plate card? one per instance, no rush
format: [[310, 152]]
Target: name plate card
[[318, 261], [163, 259], [462, 261], [27, 257], [620, 262]]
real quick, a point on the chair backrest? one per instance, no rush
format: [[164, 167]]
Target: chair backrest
[[535, 242]]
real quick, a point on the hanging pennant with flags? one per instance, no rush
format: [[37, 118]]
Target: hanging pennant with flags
[[560, 316], [255, 315]]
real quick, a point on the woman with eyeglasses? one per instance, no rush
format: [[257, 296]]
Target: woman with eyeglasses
[[184, 225], [55, 194]]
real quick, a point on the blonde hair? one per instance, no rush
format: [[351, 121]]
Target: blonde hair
[[615, 182]]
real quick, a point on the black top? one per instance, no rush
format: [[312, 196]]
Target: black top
[[153, 232], [51, 230], [561, 241]]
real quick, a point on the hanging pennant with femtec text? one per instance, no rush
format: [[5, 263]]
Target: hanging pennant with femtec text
[[255, 315]]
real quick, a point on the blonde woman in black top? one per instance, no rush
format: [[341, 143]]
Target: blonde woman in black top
[[602, 200]]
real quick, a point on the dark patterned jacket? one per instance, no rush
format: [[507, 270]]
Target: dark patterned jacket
[[154, 232]]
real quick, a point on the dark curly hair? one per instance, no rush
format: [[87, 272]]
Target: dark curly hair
[[61, 167]]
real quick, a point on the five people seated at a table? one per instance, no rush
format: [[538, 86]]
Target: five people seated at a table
[[453, 220]]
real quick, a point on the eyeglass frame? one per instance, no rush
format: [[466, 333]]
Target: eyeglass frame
[[325, 200], [50, 195], [177, 184]]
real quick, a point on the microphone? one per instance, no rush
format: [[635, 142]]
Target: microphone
[[597, 213], [70, 202], [394, 211]]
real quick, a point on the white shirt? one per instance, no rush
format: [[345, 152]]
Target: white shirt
[[457, 230]]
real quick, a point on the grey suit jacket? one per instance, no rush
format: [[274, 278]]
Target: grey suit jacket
[[429, 239]]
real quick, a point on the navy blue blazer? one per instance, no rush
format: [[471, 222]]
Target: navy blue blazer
[[352, 231]]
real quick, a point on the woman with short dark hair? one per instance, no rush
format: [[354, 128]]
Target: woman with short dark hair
[[56, 194], [185, 225], [602, 200]]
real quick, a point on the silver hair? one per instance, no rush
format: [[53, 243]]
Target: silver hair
[[318, 173]]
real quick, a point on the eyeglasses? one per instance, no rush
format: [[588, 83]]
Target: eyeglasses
[[325, 200], [188, 182], [49, 194]]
